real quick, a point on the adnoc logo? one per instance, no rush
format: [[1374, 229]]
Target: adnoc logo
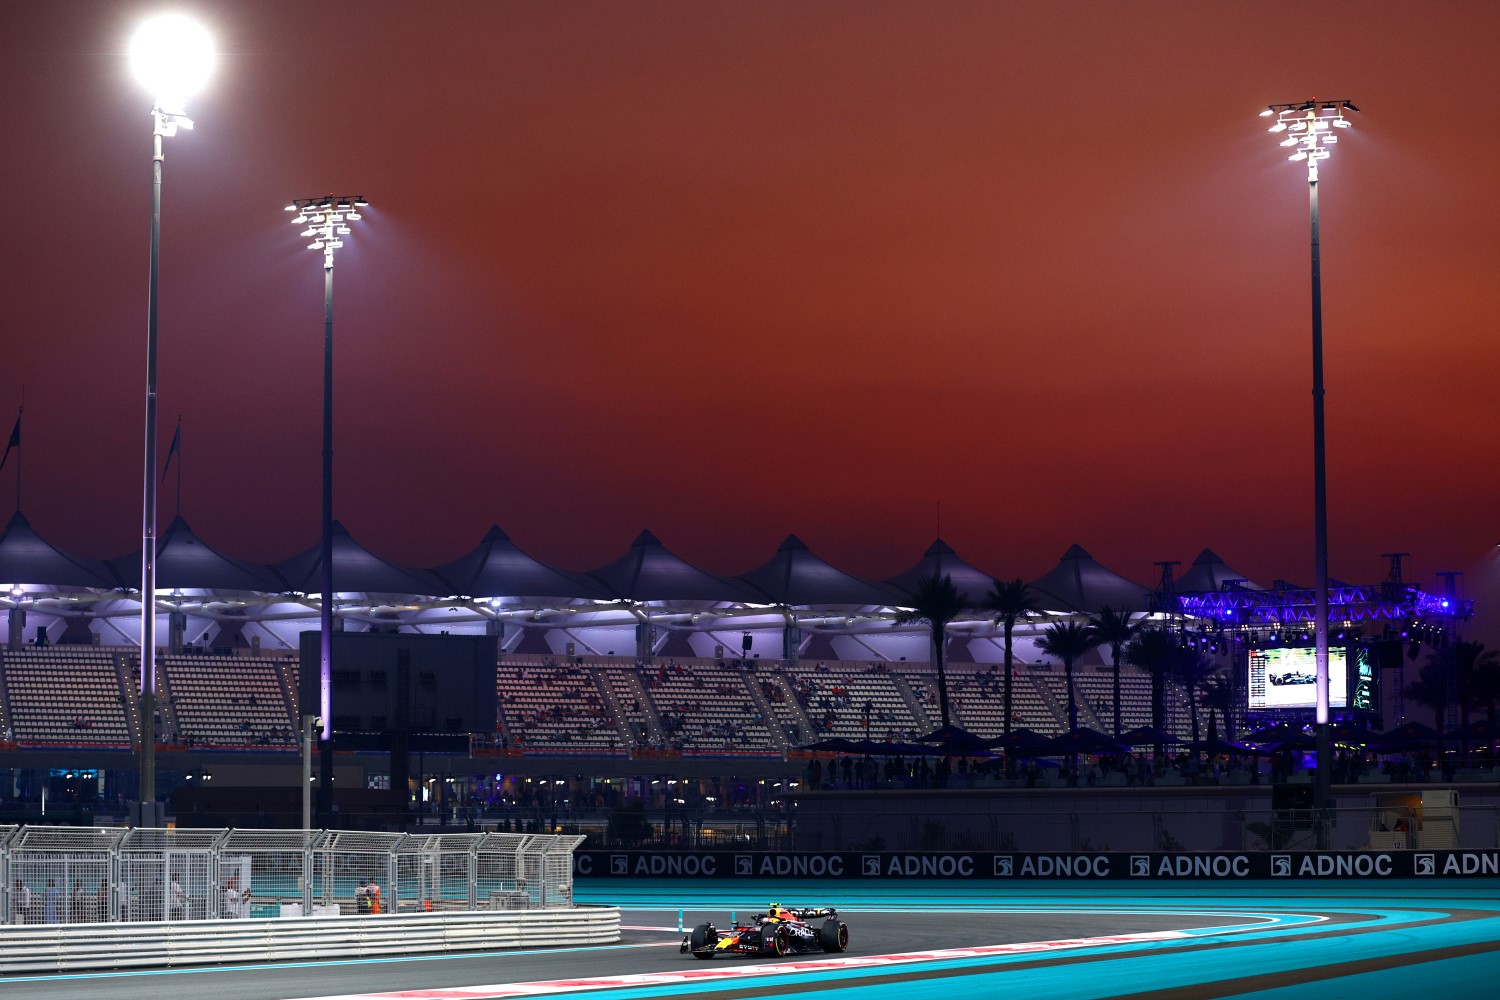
[[1140, 866], [1281, 865], [1005, 866], [1424, 864], [744, 864], [871, 865], [619, 864]]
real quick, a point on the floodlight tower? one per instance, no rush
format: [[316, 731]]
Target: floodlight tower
[[327, 219], [1311, 130], [172, 57]]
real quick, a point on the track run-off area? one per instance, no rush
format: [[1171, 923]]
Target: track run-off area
[[1369, 939]]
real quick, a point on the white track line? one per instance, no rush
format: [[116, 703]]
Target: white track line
[[726, 971]]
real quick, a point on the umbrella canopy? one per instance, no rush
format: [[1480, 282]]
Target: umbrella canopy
[[1411, 734], [1282, 737], [1275, 734], [956, 739], [836, 745], [1085, 740], [1353, 734], [1217, 747], [1021, 740], [1481, 729], [1146, 736]]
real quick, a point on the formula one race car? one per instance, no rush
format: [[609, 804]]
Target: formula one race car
[[781, 930]]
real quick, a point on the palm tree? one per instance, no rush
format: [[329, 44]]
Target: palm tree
[[1068, 641], [1431, 690], [1473, 669], [1115, 629], [936, 602], [1153, 650], [1009, 602], [1217, 692], [1191, 670], [1482, 676]]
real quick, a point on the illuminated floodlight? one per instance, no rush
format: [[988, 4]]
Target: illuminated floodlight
[[327, 218], [1310, 126], [172, 56]]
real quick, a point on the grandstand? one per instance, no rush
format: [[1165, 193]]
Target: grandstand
[[67, 696], [545, 706], [84, 696], [231, 701]]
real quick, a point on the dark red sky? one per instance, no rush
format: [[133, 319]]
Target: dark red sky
[[733, 270]]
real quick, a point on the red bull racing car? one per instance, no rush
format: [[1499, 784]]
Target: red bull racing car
[[781, 930]]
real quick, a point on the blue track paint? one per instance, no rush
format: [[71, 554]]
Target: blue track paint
[[1282, 932]]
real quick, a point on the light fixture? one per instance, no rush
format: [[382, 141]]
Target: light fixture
[[172, 56]]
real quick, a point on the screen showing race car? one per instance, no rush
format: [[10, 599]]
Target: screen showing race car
[[1286, 677]]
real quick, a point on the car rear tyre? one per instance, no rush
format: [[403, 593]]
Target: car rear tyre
[[703, 936], [834, 936]]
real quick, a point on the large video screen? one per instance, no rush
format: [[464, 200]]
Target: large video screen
[[1287, 677]]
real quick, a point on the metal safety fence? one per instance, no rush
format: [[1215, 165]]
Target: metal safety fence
[[71, 875]]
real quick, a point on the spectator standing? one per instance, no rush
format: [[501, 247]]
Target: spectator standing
[[362, 897], [52, 903], [20, 903], [231, 905], [79, 910], [176, 901]]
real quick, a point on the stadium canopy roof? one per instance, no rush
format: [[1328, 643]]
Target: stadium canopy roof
[[1209, 573], [796, 578], [648, 572], [939, 560], [1078, 583], [28, 558], [498, 568], [184, 562], [355, 570]]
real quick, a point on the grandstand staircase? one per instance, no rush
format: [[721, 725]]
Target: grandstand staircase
[[778, 731], [168, 731], [789, 705], [1087, 715], [1044, 692], [7, 728], [630, 681], [616, 710], [913, 703], [127, 673], [286, 675]]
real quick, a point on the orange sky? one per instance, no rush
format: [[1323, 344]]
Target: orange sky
[[728, 271]]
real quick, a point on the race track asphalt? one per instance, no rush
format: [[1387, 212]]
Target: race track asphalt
[[1267, 941]]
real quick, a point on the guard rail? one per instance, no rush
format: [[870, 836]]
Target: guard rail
[[64, 947]]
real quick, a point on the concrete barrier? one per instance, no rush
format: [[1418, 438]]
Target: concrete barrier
[[69, 947]]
